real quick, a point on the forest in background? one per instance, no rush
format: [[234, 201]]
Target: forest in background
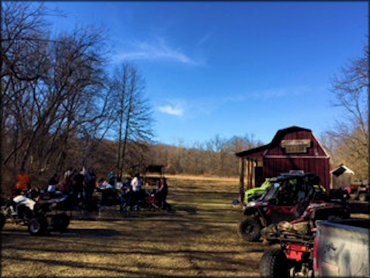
[[60, 108]]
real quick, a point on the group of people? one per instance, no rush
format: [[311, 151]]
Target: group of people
[[80, 185], [132, 193]]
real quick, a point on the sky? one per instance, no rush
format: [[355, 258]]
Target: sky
[[230, 68]]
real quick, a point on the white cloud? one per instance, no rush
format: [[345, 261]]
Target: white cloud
[[154, 50], [171, 110]]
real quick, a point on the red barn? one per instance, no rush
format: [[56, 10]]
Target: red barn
[[292, 148]]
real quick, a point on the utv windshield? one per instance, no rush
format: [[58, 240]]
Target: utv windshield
[[271, 193]]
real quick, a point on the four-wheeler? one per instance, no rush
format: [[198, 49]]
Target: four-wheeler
[[288, 198], [294, 257], [37, 215]]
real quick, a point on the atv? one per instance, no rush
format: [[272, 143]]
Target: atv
[[288, 198], [294, 257], [37, 215]]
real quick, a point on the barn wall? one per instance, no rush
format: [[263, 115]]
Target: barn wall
[[315, 149], [273, 167]]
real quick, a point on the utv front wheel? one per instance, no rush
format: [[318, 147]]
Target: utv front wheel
[[250, 229], [274, 264], [38, 225]]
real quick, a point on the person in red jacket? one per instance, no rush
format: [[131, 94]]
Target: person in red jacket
[[23, 183]]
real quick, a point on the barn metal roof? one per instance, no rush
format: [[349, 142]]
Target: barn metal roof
[[255, 152]]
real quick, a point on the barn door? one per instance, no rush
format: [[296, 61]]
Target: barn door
[[258, 174]]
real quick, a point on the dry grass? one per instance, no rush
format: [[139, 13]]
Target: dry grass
[[203, 178], [198, 239]]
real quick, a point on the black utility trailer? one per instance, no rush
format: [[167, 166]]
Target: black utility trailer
[[153, 174]]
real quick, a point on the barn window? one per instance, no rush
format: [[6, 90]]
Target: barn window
[[296, 146]]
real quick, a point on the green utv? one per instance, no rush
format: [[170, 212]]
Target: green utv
[[255, 193]]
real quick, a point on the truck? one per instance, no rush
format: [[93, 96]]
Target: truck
[[341, 248]]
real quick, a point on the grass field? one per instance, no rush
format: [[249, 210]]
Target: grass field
[[197, 239]]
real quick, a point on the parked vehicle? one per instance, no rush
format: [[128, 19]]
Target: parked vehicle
[[295, 255], [293, 258], [290, 196], [341, 248], [359, 191], [257, 192], [37, 215], [153, 174]]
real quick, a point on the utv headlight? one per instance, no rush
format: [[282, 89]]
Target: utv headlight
[[251, 204]]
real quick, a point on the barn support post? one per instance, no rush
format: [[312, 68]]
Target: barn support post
[[250, 173], [247, 174], [253, 173], [241, 180]]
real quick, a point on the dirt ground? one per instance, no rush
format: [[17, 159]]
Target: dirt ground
[[197, 239]]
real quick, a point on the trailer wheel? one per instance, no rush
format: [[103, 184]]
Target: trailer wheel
[[250, 229], [2, 221], [38, 225], [60, 222], [274, 264]]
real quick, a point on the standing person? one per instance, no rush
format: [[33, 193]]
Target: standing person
[[68, 173], [112, 178], [23, 183], [53, 182], [136, 186], [66, 185], [90, 184], [162, 192], [78, 179], [135, 183]]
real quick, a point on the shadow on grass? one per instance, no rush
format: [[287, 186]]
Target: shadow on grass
[[145, 270], [91, 233]]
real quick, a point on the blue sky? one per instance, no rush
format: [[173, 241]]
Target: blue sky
[[219, 68]]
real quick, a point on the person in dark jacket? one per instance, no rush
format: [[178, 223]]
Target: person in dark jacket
[[161, 193]]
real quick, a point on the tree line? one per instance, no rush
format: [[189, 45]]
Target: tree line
[[214, 157]]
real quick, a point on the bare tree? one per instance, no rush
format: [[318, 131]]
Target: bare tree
[[53, 90], [133, 115], [351, 135], [22, 43]]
